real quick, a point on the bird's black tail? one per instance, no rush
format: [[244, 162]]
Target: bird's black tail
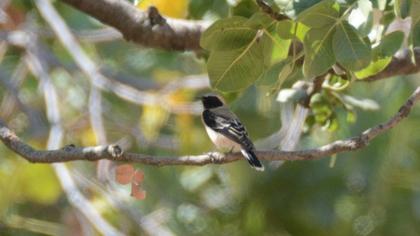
[[252, 159]]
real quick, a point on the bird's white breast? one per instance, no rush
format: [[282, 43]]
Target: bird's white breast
[[222, 142]]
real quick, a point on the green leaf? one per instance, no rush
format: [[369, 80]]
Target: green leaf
[[382, 54], [402, 8], [244, 8], [260, 20], [320, 15], [277, 73], [415, 34], [270, 76], [389, 45], [237, 69], [374, 67], [350, 49], [319, 56], [280, 49], [288, 29], [227, 34]]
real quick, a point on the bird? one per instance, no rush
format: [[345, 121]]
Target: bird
[[226, 131]]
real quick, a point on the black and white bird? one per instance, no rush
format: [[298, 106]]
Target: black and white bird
[[226, 130]]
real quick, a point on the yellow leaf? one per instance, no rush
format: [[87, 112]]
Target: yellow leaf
[[151, 121], [39, 183], [171, 8], [88, 137]]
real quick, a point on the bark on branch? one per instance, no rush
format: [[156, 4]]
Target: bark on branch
[[147, 28], [114, 152]]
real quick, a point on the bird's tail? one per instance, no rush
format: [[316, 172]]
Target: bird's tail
[[252, 159]]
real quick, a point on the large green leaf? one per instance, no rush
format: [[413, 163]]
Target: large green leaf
[[350, 49], [227, 34], [237, 69], [320, 15], [319, 56]]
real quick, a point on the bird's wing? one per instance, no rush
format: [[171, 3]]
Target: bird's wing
[[229, 126]]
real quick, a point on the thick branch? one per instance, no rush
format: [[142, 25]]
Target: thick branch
[[114, 152], [146, 28]]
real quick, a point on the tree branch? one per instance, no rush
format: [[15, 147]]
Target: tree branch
[[147, 28], [150, 29], [114, 152]]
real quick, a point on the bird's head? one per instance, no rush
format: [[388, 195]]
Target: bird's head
[[211, 101]]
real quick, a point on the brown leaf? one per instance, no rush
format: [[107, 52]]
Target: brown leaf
[[138, 176], [124, 173], [137, 192]]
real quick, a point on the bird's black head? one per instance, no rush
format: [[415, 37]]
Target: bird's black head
[[211, 101]]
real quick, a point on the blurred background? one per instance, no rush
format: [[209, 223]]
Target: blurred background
[[144, 99]]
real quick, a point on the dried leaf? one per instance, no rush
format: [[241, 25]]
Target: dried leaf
[[137, 192], [138, 177], [124, 174]]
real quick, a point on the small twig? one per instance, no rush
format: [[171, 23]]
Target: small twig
[[106, 152]]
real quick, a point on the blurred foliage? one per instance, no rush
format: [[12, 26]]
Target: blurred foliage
[[374, 191]]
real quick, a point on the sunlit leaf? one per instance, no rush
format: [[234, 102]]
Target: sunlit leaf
[[288, 29]]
